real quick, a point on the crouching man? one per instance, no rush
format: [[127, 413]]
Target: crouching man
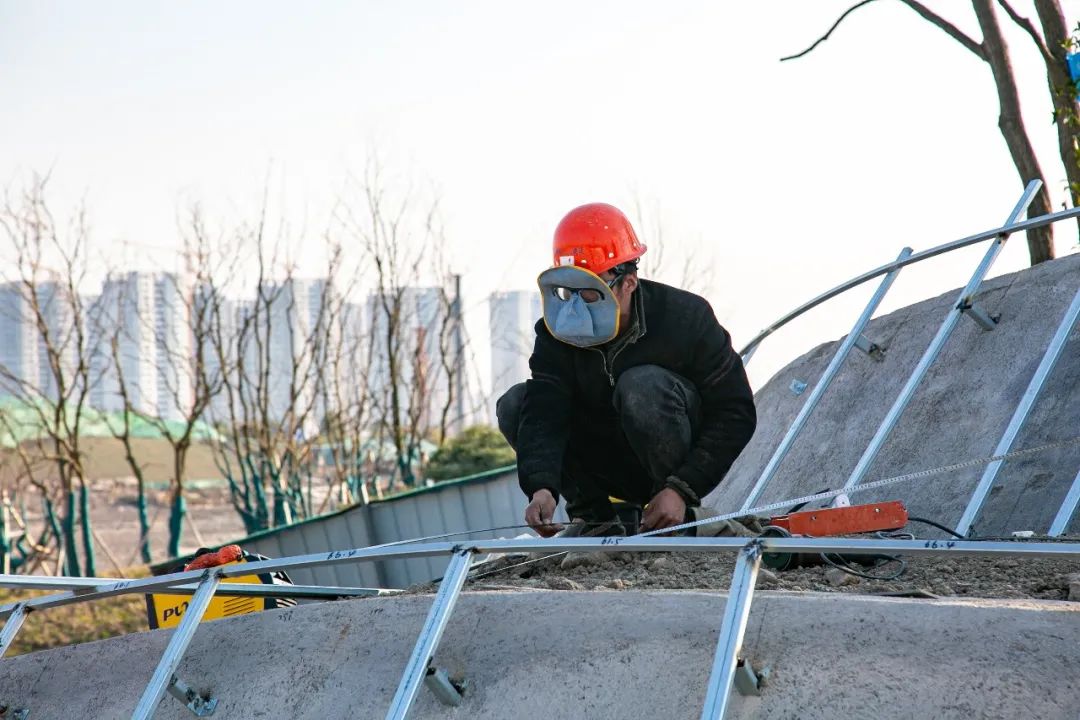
[[636, 392]]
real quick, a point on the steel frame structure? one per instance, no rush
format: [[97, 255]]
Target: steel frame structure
[[965, 304], [729, 642], [204, 585]]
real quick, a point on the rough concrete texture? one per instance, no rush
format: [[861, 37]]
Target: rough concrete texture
[[958, 413], [644, 655]]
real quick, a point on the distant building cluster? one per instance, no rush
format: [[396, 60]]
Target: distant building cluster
[[137, 338]]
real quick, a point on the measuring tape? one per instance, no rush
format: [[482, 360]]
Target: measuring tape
[[830, 494]]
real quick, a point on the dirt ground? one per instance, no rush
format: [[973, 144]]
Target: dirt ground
[[982, 577]]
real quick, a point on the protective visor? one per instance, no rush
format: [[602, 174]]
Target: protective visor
[[579, 306]]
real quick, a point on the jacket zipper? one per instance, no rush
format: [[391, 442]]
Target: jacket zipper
[[603, 359], [610, 372]]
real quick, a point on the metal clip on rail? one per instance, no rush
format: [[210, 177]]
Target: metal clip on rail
[[199, 705]]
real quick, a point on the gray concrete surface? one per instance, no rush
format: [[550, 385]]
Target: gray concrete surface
[[643, 654], [958, 413]]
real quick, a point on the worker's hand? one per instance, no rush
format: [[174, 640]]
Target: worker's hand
[[541, 513], [667, 508]]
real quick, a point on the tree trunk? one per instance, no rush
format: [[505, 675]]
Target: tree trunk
[[70, 546], [176, 523], [5, 542], [1062, 92], [144, 525], [87, 531], [1011, 124]]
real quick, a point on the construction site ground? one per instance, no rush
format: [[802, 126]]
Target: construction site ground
[[975, 577]]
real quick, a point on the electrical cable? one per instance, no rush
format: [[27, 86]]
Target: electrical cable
[[939, 526], [842, 564]]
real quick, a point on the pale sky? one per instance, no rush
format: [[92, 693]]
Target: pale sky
[[788, 177]]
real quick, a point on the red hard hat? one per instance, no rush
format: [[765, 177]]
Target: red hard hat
[[596, 237]]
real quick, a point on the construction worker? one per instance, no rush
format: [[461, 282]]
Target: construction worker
[[635, 393]]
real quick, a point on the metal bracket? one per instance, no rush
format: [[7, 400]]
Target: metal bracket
[[164, 675], [748, 682], [871, 348], [418, 667], [201, 706], [12, 626], [982, 318], [447, 691], [732, 629]]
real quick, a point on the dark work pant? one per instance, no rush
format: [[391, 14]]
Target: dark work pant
[[655, 421]]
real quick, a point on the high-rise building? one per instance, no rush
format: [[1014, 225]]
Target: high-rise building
[[35, 326], [220, 314], [513, 315], [173, 347], [124, 315], [419, 354], [295, 333], [61, 336], [18, 340]]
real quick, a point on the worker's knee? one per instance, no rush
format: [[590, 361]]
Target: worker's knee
[[648, 394], [508, 412]]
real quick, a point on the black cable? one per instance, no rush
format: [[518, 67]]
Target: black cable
[[846, 567], [938, 525]]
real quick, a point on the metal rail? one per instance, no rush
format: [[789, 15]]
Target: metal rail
[[203, 585], [1068, 507], [730, 633], [11, 627], [822, 385], [732, 630], [178, 644], [1020, 414], [1041, 221], [227, 590], [430, 634], [942, 336]]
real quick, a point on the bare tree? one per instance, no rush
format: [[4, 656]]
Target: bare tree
[[691, 270], [347, 451], [416, 380], [270, 355], [123, 432], [23, 472], [1053, 47], [994, 52], [52, 381]]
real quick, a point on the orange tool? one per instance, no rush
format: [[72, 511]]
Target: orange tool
[[224, 556], [844, 520]]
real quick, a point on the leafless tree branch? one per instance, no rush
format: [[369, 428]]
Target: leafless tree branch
[[1029, 28], [927, 14]]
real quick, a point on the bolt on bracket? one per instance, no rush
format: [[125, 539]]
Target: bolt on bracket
[[749, 682], [448, 691], [982, 318], [871, 348], [199, 705]]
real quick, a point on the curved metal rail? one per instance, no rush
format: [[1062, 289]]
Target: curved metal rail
[[1041, 221]]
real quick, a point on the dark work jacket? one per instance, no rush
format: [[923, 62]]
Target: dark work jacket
[[573, 388]]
